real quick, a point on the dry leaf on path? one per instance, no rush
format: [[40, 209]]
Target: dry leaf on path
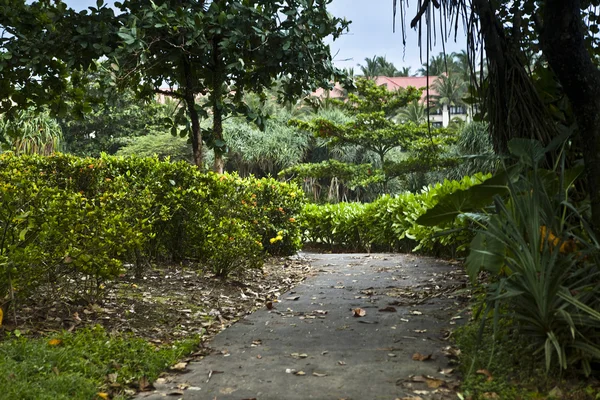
[[318, 374], [434, 383], [421, 357], [179, 366], [292, 298], [359, 312], [300, 373], [144, 385]]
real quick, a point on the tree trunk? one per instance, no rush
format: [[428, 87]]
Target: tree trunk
[[564, 47], [190, 101], [217, 105]]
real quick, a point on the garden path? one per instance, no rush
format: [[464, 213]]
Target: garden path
[[364, 327]]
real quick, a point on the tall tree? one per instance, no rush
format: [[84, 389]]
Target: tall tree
[[564, 31], [212, 50], [450, 90]]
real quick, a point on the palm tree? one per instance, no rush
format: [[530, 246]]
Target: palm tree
[[451, 90], [438, 65], [405, 71], [371, 68], [414, 112]]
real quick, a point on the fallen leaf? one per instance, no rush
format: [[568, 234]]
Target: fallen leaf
[[341, 362], [259, 356], [318, 374], [54, 342], [144, 385], [421, 357], [391, 355], [486, 373], [183, 386], [103, 395], [292, 298], [447, 371], [420, 330], [491, 395], [359, 312], [179, 366], [269, 305], [321, 312], [300, 373], [416, 312], [423, 392], [112, 377], [387, 309], [434, 383]]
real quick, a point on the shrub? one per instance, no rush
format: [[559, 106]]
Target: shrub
[[390, 222], [73, 222]]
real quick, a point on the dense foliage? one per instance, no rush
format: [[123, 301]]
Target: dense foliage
[[390, 222], [543, 258], [70, 223]]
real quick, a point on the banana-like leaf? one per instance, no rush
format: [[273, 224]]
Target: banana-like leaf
[[487, 253], [466, 201]]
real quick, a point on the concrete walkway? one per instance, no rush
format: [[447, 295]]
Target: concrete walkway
[[314, 344]]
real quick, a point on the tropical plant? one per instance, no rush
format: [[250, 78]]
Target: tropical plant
[[474, 146], [450, 91], [28, 132], [414, 112], [541, 253]]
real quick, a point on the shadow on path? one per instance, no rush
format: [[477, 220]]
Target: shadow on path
[[311, 345]]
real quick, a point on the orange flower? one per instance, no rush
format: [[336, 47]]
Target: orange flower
[[292, 220], [91, 166]]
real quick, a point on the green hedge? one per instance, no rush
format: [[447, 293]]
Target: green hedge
[[389, 223], [70, 223]]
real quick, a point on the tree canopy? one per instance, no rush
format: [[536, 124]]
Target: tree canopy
[[204, 53], [520, 101]]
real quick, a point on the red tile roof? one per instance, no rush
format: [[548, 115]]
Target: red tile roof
[[392, 83]]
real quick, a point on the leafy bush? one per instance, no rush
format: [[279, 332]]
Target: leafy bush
[[390, 222], [542, 255], [72, 222], [76, 365]]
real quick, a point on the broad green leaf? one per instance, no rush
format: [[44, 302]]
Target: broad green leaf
[[486, 253]]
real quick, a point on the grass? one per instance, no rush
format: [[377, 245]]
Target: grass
[[81, 365], [504, 366]]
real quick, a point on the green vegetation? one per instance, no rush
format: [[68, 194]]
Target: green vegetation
[[390, 222], [64, 216], [82, 365]]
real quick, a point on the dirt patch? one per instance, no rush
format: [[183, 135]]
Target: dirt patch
[[170, 302]]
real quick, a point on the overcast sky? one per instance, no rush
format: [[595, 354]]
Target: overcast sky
[[371, 33]]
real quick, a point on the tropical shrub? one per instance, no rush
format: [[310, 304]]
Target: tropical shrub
[[71, 223], [540, 252], [390, 222]]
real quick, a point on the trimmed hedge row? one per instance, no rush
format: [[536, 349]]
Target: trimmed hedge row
[[71, 223], [389, 223]]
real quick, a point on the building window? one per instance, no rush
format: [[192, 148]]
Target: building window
[[437, 125], [454, 110]]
